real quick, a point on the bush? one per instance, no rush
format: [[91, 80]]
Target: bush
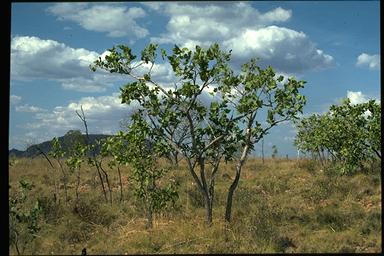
[[52, 211], [337, 217], [283, 243], [261, 226], [372, 223], [195, 197], [75, 231], [92, 212], [331, 216], [308, 165]]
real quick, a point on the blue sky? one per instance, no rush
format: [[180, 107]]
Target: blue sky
[[334, 46]]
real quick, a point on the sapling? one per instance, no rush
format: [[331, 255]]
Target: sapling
[[23, 220]]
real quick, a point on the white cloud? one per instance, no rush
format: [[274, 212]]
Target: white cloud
[[102, 114], [370, 61], [28, 108], [284, 49], [359, 97], [34, 58], [14, 99], [161, 73], [112, 18], [278, 14], [242, 28]]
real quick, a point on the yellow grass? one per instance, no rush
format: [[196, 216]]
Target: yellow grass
[[278, 201]]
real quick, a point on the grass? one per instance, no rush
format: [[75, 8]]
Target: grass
[[280, 206]]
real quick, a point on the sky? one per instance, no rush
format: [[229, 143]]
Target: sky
[[334, 46]]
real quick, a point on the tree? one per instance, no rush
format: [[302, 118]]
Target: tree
[[258, 90], [142, 156], [274, 151], [94, 159], [214, 128], [23, 220], [347, 135], [58, 153], [74, 161], [117, 148]]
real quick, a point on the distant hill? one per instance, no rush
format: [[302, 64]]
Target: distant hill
[[66, 141]]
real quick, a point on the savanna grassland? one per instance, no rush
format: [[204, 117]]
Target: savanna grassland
[[280, 205]]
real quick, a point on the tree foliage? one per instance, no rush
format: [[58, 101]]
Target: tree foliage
[[348, 135], [143, 151], [23, 219], [222, 127]]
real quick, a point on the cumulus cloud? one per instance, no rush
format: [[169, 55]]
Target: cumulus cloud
[[207, 23], [245, 30], [14, 99], [34, 58], [359, 97], [112, 18], [102, 114], [370, 61], [284, 49]]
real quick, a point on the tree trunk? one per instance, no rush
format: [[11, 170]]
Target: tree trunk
[[121, 184], [64, 181], [208, 209], [108, 184], [78, 184], [231, 191], [102, 182], [149, 224], [262, 150], [232, 188]]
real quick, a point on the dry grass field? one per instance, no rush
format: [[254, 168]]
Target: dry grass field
[[280, 206]]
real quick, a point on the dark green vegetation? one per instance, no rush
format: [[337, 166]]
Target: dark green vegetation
[[213, 112], [346, 138], [280, 206]]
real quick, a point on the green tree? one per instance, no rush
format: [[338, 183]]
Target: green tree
[[74, 161], [347, 135], [143, 151], [58, 153], [216, 129], [274, 151], [95, 159], [116, 147], [23, 219]]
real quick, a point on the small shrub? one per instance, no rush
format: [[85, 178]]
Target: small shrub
[[92, 212], [347, 249], [195, 197], [23, 218], [338, 218], [319, 190], [283, 243], [372, 223], [274, 186], [76, 231], [52, 211], [308, 165], [262, 227]]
